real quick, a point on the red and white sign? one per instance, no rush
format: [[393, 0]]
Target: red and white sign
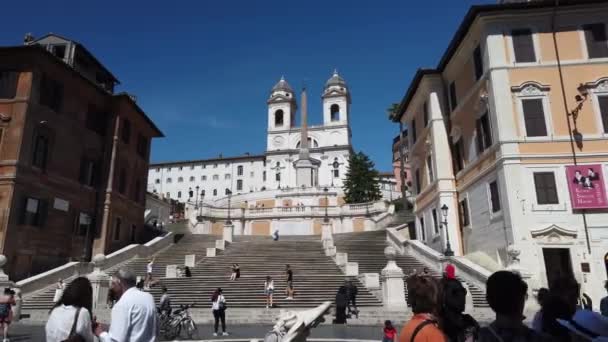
[[586, 186]]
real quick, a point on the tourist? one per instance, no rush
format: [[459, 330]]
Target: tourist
[[456, 325], [236, 272], [187, 272], [165, 302], [275, 236], [341, 304], [149, 271], [541, 298], [351, 293], [218, 307], [426, 272], [506, 294], [133, 315], [72, 314], [423, 297], [586, 325], [7, 300], [289, 290], [389, 332], [268, 291], [58, 290], [560, 304], [585, 302], [604, 302]]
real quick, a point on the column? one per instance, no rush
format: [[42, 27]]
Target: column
[[100, 281], [393, 293]]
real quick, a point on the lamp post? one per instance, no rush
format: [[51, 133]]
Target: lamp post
[[448, 248], [326, 219], [228, 221], [200, 208], [196, 198]]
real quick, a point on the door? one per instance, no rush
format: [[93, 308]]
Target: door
[[558, 263]]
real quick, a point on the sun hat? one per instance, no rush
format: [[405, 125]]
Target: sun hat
[[588, 324]]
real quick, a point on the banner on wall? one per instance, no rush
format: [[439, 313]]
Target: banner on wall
[[586, 186]]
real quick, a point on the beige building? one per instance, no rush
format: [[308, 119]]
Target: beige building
[[491, 132]]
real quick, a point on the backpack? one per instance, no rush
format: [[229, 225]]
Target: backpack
[[454, 295], [5, 309]]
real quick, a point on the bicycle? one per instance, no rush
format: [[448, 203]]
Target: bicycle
[[171, 325]]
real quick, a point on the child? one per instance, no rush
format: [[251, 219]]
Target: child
[[389, 332]]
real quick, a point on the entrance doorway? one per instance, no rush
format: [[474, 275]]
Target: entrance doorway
[[557, 263]]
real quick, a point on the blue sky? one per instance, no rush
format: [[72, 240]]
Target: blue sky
[[202, 69]]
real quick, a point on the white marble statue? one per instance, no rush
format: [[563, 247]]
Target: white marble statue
[[295, 326]]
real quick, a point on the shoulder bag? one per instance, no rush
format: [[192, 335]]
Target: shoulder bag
[[73, 336]]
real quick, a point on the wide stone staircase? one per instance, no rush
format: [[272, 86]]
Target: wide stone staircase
[[367, 249], [316, 276]]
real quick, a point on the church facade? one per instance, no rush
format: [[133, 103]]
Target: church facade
[[326, 149]]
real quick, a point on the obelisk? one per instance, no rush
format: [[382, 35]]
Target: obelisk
[[304, 129], [306, 167]]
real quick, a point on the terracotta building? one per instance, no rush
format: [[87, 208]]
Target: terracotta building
[[401, 166], [509, 133], [73, 157]]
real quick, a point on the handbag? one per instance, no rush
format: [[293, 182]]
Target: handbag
[[222, 304], [73, 336]]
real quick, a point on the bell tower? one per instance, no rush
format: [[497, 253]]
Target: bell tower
[[281, 107], [336, 101]]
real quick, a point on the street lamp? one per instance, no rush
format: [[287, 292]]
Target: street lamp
[[448, 248], [228, 221], [326, 219], [196, 198], [200, 211]]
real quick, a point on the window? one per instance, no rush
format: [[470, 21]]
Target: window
[[88, 171], [215, 166], [83, 224], [180, 179], [216, 177], [204, 178], [191, 178], [180, 168], [239, 184], [534, 117], [422, 230], [335, 112], [58, 50], [227, 176], [336, 173], [413, 130], [168, 194], [157, 181], [459, 155], [494, 197], [264, 176], [133, 233], [435, 222], [126, 131], [142, 147], [483, 133], [96, 121], [204, 166], [8, 84], [278, 118], [478, 61], [463, 208], [41, 151], [117, 225], [417, 180], [239, 170], [278, 177], [226, 165], [227, 192], [34, 212], [179, 194], [603, 104], [122, 181], [251, 174], [169, 180], [546, 190], [214, 192], [429, 166], [51, 93], [425, 111], [191, 167], [453, 99], [595, 37], [169, 169], [523, 46]]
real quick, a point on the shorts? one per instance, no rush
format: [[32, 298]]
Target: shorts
[[5, 319], [268, 292]]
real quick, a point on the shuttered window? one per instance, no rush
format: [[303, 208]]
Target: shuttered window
[[595, 37], [494, 197], [453, 99], [33, 212], [603, 103], [417, 174], [483, 132], [546, 190], [463, 208], [534, 117], [429, 166], [8, 84], [478, 61], [459, 155], [435, 222], [422, 230], [426, 114], [413, 130], [523, 46]]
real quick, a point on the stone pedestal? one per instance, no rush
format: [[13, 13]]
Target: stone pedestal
[[352, 269], [220, 244], [100, 281], [326, 233], [210, 252], [228, 232], [370, 280], [341, 259], [330, 251], [171, 271], [393, 293], [190, 260]]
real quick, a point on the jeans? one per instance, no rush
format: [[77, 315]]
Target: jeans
[[219, 314]]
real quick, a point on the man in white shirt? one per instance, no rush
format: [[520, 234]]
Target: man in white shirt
[[133, 316]]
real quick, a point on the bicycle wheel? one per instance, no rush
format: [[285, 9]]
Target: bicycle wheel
[[189, 327]]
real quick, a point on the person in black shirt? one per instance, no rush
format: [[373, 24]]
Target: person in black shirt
[[289, 288]]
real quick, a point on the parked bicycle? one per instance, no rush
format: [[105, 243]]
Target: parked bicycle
[[172, 325]]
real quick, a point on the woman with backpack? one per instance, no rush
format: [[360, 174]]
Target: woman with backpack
[[218, 306], [71, 318]]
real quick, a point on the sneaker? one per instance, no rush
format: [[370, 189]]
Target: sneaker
[[214, 334], [224, 334], [266, 306]]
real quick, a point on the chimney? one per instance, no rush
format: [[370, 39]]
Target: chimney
[[28, 39]]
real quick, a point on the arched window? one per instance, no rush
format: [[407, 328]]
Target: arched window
[[180, 179], [41, 151], [179, 194], [336, 168], [278, 118], [278, 164], [239, 185], [311, 143], [335, 112], [192, 178], [157, 181], [169, 180], [239, 170]]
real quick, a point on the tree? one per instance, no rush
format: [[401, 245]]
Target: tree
[[393, 111], [361, 183]]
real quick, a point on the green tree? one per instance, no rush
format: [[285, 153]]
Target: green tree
[[393, 111], [361, 183]]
